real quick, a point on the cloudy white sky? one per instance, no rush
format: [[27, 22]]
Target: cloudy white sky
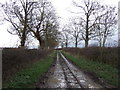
[[62, 8]]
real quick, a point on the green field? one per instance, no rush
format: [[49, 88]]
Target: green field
[[107, 72]]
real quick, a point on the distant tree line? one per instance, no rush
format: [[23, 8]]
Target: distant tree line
[[37, 19], [95, 22]]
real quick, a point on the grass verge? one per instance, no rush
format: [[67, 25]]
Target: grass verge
[[29, 76], [107, 72]]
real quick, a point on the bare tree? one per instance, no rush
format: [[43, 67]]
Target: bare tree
[[43, 21], [106, 25], [51, 29], [17, 14], [88, 12], [76, 29], [65, 36], [51, 35]]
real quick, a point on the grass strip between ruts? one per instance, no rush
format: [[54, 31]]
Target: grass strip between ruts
[[105, 71]]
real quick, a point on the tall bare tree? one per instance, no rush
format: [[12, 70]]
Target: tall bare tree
[[51, 35], [51, 29], [88, 14], [65, 36], [43, 21], [75, 28], [106, 25], [17, 13]]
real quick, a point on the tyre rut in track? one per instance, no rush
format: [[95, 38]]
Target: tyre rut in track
[[71, 79]]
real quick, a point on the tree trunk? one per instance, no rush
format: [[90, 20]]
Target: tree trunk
[[105, 37], [66, 44], [76, 43], [23, 39], [41, 43], [87, 33], [100, 43], [104, 40], [86, 43]]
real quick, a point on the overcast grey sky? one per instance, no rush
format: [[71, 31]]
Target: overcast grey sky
[[62, 8]]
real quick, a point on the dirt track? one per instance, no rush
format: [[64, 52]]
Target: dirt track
[[66, 75]]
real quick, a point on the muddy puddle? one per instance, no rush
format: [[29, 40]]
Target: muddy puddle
[[57, 80]]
